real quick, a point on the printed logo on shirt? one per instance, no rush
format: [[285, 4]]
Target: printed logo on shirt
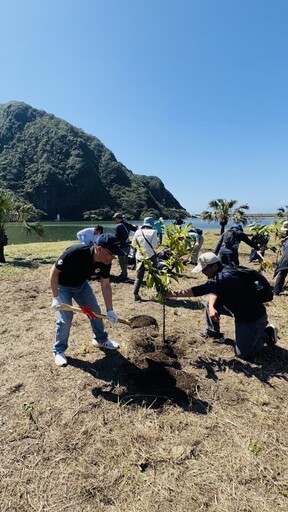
[[60, 262]]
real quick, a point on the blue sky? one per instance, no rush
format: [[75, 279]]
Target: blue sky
[[191, 91]]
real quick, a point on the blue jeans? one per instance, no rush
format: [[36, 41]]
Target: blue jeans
[[84, 296]]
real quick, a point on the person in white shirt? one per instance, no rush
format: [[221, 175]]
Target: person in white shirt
[[146, 237], [195, 236], [89, 235]]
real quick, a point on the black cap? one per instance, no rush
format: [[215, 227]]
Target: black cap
[[109, 242]]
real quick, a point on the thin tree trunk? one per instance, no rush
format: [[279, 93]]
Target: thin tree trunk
[[222, 224], [2, 257], [163, 322]]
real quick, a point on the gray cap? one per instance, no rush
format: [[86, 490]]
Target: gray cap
[[118, 215], [207, 258]]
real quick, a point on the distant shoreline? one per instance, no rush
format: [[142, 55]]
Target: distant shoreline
[[249, 215], [261, 215]]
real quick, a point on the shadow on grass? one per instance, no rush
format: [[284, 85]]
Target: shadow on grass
[[152, 386], [24, 263], [185, 304], [271, 363]]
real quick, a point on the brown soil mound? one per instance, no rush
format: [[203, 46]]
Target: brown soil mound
[[142, 321]]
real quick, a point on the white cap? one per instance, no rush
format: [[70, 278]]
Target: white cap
[[207, 258]]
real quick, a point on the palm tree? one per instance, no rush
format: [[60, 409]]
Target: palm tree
[[282, 212], [13, 209], [222, 211]]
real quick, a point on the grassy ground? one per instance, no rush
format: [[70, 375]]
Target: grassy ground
[[181, 427]]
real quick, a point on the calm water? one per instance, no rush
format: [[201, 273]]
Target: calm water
[[58, 231]]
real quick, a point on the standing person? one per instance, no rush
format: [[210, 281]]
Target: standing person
[[146, 237], [281, 270], [122, 232], [230, 295], [196, 236], [160, 228], [228, 245], [178, 221], [89, 235], [69, 280]]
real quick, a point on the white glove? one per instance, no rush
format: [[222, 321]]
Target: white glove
[[56, 301], [112, 316]]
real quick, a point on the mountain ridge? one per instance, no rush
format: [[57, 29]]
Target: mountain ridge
[[63, 170]]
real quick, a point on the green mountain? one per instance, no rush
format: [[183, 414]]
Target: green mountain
[[61, 169]]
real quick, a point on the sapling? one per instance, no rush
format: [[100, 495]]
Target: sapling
[[161, 275], [266, 231]]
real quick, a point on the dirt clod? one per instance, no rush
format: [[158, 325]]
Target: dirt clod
[[143, 321]]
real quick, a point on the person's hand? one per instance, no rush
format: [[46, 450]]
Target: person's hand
[[171, 295], [214, 315], [112, 316], [56, 301]]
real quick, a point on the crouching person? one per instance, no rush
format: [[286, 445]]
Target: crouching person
[[231, 295], [69, 280]]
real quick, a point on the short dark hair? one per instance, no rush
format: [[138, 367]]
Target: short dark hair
[[99, 228]]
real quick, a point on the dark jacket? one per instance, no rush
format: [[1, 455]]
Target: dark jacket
[[122, 231], [283, 262], [234, 295], [222, 249]]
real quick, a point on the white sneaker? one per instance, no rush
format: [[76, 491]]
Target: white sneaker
[[108, 344], [60, 359]]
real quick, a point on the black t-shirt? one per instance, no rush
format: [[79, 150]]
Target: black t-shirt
[[76, 265], [234, 294]]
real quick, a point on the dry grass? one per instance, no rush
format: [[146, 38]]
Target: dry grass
[[90, 437]]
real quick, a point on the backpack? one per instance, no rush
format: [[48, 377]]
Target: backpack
[[230, 238], [256, 281]]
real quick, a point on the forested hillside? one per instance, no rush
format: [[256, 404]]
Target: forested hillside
[[61, 169]]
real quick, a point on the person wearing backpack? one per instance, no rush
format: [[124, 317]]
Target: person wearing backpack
[[230, 294], [228, 245]]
